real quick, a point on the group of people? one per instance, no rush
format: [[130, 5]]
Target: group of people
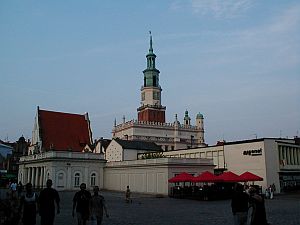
[[25, 207], [88, 206], [248, 206]]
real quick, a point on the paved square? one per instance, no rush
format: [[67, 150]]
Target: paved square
[[149, 210]]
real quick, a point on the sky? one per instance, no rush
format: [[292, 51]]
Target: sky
[[236, 62]]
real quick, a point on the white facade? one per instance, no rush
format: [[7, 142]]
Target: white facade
[[116, 152], [168, 135], [277, 161], [66, 169], [150, 175]]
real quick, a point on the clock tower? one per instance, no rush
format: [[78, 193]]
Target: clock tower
[[151, 109]]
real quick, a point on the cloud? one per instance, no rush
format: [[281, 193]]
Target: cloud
[[220, 8]]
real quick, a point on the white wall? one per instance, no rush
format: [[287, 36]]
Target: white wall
[[150, 175], [239, 163], [272, 163], [62, 167], [114, 152]]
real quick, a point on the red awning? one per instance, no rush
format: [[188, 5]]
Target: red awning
[[229, 177], [183, 177], [206, 177], [247, 176]]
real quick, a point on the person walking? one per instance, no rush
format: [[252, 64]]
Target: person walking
[[28, 204], [81, 202], [239, 205], [257, 210], [47, 199], [13, 188], [20, 189], [97, 204], [127, 195], [271, 192]]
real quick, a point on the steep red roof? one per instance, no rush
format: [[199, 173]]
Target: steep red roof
[[63, 131]]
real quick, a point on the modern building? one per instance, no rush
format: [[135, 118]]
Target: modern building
[[276, 160], [151, 124]]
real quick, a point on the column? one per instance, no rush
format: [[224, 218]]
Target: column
[[32, 175], [42, 177], [38, 175], [292, 155], [28, 175], [295, 156]]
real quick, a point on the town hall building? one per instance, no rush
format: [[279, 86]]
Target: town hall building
[[151, 124]]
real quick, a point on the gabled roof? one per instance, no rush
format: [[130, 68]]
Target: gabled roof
[[64, 131], [138, 145]]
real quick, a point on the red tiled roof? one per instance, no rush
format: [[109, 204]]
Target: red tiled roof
[[63, 131]]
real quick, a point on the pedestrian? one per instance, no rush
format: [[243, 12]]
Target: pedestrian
[[271, 192], [81, 202], [127, 195], [239, 205], [20, 189], [97, 204], [13, 188], [28, 204], [47, 199], [257, 210], [273, 188]]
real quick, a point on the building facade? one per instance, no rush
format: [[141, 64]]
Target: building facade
[[123, 150], [66, 169], [276, 160], [151, 175], [151, 124]]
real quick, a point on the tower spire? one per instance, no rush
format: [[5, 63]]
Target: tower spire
[[151, 48]]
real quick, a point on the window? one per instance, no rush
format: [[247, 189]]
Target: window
[[77, 180], [60, 182], [93, 179], [143, 96], [156, 95]]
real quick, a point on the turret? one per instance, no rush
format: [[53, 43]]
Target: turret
[[199, 121], [186, 119]]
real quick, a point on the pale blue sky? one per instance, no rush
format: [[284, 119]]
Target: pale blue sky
[[237, 62]]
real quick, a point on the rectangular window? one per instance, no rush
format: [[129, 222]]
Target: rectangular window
[[77, 180]]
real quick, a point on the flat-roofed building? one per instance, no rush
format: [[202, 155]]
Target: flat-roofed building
[[276, 160]]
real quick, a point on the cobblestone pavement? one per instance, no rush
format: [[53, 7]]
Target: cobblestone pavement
[[149, 210]]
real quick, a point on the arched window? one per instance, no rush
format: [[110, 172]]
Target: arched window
[[77, 180], [60, 178], [93, 179]]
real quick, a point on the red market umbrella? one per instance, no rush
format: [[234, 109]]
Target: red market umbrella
[[182, 177], [229, 177], [206, 177], [247, 176]]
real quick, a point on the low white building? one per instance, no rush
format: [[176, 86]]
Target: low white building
[[276, 160], [151, 175], [66, 169]]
